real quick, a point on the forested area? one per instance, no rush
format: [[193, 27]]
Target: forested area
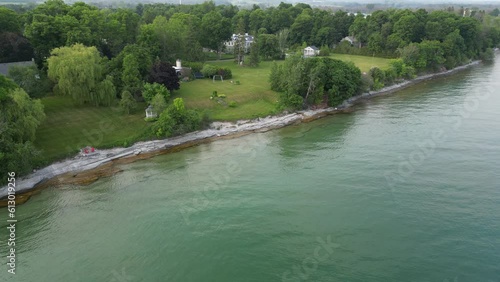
[[104, 57]]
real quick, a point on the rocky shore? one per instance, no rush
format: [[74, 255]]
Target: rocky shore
[[82, 170]]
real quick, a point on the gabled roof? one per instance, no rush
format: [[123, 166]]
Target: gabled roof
[[313, 47]]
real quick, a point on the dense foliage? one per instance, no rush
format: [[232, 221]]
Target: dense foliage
[[78, 72], [19, 118], [306, 81]]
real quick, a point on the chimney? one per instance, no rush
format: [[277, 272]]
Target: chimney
[[178, 64]]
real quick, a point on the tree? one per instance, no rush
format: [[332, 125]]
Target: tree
[[152, 89], [275, 77], [127, 102], [216, 30], [163, 73], [19, 118], [9, 21], [256, 20], [268, 46], [158, 102], [32, 80], [254, 54], [13, 46], [302, 27], [283, 40], [78, 72], [131, 78]]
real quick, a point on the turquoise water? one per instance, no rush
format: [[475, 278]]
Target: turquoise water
[[402, 188]]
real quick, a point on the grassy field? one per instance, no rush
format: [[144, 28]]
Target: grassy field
[[364, 63], [68, 127], [253, 96]]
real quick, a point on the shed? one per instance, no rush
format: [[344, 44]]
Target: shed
[[311, 51], [150, 112]]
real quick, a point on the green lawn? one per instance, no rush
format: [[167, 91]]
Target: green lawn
[[68, 127], [364, 63], [253, 96]]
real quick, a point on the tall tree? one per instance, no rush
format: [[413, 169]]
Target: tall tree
[[79, 73], [19, 118], [131, 77], [216, 30]]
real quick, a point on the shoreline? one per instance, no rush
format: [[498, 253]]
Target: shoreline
[[86, 170]]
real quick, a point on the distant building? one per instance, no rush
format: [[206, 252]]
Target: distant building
[[247, 40], [311, 51], [4, 68], [351, 39]]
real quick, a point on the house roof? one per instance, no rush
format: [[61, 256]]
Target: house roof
[[4, 68], [313, 47]]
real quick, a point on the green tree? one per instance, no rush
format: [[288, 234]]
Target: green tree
[[20, 116], [302, 27], [254, 54], [32, 80], [158, 102], [127, 102], [256, 20], [131, 77], [78, 72], [216, 30], [150, 90], [283, 40], [269, 46], [9, 21]]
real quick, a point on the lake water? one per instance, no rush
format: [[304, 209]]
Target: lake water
[[404, 187]]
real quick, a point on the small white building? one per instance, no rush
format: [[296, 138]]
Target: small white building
[[311, 51], [150, 112]]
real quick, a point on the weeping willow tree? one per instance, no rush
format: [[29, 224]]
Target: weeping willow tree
[[79, 73]]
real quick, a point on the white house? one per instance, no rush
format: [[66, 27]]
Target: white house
[[351, 39], [311, 51], [247, 39]]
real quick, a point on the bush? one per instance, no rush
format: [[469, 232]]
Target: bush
[[408, 72], [233, 104], [324, 51], [237, 82], [159, 104], [377, 84], [377, 74], [195, 66], [390, 76], [208, 70], [488, 55], [177, 120], [152, 89], [366, 83], [225, 73], [292, 101]]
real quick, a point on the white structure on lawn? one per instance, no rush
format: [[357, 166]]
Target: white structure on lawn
[[246, 39], [311, 51], [150, 112]]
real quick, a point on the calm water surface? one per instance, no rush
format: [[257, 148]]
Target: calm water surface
[[404, 188]]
